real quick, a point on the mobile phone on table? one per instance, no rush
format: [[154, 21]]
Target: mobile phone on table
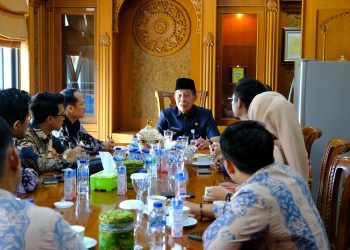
[[198, 235], [172, 194], [50, 180], [203, 171]]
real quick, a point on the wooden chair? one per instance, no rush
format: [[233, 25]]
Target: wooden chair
[[335, 147], [161, 95], [337, 219], [310, 135]]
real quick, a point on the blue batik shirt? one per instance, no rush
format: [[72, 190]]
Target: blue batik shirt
[[274, 209], [199, 119], [24, 225]]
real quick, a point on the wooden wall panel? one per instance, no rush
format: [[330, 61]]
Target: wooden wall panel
[[316, 12]]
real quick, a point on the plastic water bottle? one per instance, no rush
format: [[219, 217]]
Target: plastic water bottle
[[176, 218], [121, 172], [134, 142], [69, 184], [83, 176], [118, 157], [157, 227], [180, 184], [154, 167]]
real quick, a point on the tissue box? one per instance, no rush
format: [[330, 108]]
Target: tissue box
[[103, 181]]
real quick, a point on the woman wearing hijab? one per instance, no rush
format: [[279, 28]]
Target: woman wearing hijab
[[278, 115]]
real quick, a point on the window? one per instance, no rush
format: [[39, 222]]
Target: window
[[9, 68]]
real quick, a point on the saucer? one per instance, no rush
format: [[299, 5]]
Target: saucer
[[202, 164], [63, 204], [89, 242], [130, 204], [189, 222]]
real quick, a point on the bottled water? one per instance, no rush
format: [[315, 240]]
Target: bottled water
[[134, 142], [157, 227], [176, 218], [121, 172], [180, 184], [154, 167], [69, 184], [118, 157], [83, 176]]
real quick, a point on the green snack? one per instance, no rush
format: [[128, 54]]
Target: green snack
[[116, 230], [132, 166]]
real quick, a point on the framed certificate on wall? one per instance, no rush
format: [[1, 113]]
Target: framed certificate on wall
[[237, 72]]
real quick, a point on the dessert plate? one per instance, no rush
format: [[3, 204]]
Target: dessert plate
[[63, 204]]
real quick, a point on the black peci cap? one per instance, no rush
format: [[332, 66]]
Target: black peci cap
[[185, 83]]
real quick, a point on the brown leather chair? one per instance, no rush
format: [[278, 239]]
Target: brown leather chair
[[337, 215], [310, 135], [335, 147], [162, 95]]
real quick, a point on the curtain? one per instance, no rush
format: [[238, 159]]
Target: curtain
[[13, 28]]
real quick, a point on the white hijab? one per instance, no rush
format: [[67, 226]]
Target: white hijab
[[280, 119]]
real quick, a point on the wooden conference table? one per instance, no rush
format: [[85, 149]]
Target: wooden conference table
[[85, 212]]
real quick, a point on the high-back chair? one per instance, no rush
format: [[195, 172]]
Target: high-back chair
[[337, 216], [310, 135], [162, 95], [335, 147]]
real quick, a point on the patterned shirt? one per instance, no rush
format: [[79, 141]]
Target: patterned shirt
[[24, 225], [272, 210], [198, 119], [39, 150], [74, 134]]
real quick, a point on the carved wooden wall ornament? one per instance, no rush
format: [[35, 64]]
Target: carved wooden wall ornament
[[197, 4], [161, 27]]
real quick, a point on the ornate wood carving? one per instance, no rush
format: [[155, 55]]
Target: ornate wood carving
[[161, 27], [117, 4], [342, 58], [197, 4], [325, 27], [272, 5], [208, 62], [105, 39]]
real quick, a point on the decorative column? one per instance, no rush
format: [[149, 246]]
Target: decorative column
[[105, 88], [271, 63], [208, 74]]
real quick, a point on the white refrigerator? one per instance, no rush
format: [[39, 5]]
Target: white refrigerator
[[322, 100]]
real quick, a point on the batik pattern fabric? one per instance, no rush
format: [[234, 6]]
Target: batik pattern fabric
[[24, 225], [39, 152], [273, 210], [30, 181], [74, 134]]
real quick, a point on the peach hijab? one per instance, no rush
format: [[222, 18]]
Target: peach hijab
[[280, 119]]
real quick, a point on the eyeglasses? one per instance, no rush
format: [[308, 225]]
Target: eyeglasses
[[233, 99], [63, 114]]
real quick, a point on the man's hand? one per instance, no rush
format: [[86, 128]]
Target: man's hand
[[194, 207], [109, 144], [201, 143], [71, 155], [215, 193]]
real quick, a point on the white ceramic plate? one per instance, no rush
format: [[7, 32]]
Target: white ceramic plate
[[89, 242], [130, 204], [201, 164], [63, 204], [189, 222]]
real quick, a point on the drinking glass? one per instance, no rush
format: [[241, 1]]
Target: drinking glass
[[168, 134], [172, 162], [139, 183]]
